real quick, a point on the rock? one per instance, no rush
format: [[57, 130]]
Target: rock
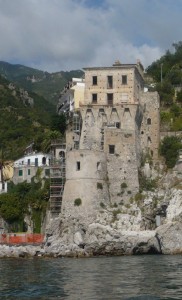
[[78, 240], [169, 237]]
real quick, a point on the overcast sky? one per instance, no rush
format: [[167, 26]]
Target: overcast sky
[[55, 35]]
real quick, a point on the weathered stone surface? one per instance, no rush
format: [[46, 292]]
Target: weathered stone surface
[[112, 233], [170, 238], [78, 240], [21, 251]]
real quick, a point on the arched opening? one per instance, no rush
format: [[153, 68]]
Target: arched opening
[[62, 154], [44, 160]]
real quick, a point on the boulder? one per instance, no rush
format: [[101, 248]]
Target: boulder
[[169, 237]]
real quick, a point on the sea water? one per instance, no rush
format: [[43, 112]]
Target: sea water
[[125, 277]]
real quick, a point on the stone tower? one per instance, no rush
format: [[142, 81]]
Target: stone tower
[[115, 123]]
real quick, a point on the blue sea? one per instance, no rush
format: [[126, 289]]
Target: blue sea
[[146, 277]]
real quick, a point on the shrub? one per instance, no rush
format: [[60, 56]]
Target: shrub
[[121, 193], [127, 205], [77, 202], [123, 185], [99, 186], [165, 117], [177, 124], [114, 205], [139, 197], [115, 213], [131, 200], [102, 205]]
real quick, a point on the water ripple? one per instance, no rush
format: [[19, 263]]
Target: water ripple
[[151, 277]]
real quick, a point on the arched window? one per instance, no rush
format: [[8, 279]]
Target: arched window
[[62, 154]]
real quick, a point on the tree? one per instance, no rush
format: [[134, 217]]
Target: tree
[[175, 110], [179, 97], [169, 149], [58, 123], [166, 92], [49, 136]]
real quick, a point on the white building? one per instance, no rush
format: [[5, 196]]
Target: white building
[[26, 167]]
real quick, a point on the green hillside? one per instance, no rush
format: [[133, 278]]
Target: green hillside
[[166, 75], [21, 122], [44, 84]]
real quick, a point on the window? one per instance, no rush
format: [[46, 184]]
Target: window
[[94, 98], [109, 82], [124, 97], [28, 171], [101, 110], [3, 186], [94, 80], [78, 165], [20, 173], [124, 79], [43, 160], [29, 162], [61, 154], [149, 121], [76, 145], [111, 149], [110, 99], [36, 162], [117, 124]]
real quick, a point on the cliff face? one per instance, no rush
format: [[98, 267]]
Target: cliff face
[[150, 224], [122, 230]]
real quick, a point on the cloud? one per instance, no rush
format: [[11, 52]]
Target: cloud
[[63, 35]]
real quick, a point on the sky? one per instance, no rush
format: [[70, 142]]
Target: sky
[[56, 35]]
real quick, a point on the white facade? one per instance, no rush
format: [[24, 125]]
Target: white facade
[[33, 159]]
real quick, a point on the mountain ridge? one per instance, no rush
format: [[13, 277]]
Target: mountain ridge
[[43, 83]]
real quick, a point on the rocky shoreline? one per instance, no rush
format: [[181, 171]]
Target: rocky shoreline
[[130, 230], [103, 240]]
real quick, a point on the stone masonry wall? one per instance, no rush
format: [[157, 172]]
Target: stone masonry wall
[[104, 168], [123, 93], [150, 129], [86, 175]]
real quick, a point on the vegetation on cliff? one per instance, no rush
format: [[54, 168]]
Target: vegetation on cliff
[[25, 199], [169, 149], [166, 75], [22, 123]]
